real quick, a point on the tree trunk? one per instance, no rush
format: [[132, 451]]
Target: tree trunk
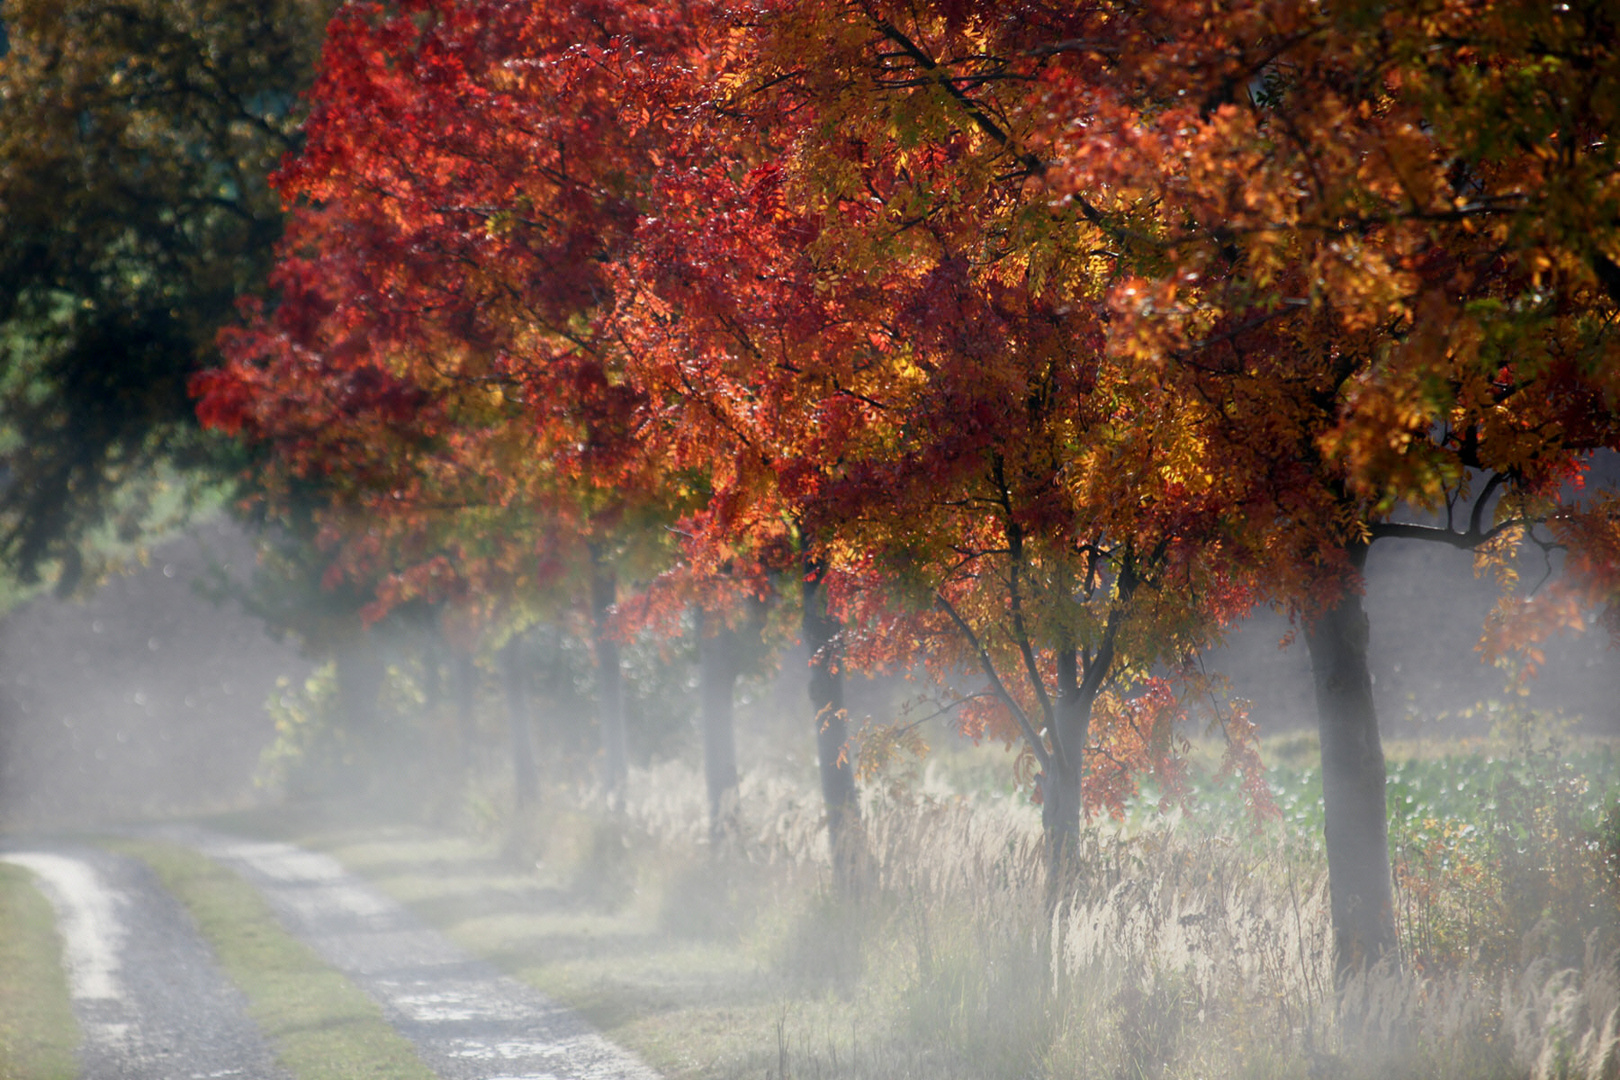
[[515, 668], [1061, 793], [832, 751], [432, 674], [465, 685], [609, 684], [1352, 782], [717, 661], [360, 673]]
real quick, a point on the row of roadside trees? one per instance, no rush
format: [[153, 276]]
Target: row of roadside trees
[[1032, 342]]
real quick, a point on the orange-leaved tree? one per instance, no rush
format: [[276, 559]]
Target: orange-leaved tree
[[1381, 242], [863, 317], [438, 351]]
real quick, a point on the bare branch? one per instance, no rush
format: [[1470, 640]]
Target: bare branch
[[987, 666]]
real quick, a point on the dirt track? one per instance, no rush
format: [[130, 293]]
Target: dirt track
[[151, 1000], [153, 1003]]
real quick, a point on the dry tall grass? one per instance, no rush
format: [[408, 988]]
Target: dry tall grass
[[1170, 955]]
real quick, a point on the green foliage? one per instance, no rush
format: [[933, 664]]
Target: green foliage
[[396, 750], [135, 142], [1499, 845], [313, 753], [286, 590], [1500, 855]]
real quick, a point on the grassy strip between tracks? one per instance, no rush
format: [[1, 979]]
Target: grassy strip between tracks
[[321, 1026], [38, 1034]]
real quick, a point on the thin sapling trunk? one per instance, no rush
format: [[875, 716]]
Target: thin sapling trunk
[[609, 683], [717, 661], [515, 669], [464, 686]]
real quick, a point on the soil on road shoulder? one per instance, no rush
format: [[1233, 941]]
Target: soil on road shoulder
[[467, 1021], [147, 991]]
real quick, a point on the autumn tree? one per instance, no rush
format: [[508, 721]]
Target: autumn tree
[[885, 339], [463, 304], [1037, 518], [1586, 534], [1366, 252], [1077, 326], [1381, 242], [437, 349]]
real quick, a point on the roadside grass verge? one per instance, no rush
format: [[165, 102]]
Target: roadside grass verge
[[320, 1025], [38, 1034]]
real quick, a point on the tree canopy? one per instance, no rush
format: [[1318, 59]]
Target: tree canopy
[[1043, 340]]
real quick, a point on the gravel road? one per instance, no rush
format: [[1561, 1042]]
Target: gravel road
[[468, 1021], [147, 991], [154, 1004]]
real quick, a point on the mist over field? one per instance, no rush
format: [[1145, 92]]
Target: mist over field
[[146, 701], [945, 539], [1426, 606], [147, 697]]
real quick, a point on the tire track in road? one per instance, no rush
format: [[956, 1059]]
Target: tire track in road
[[468, 1021], [147, 991]]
